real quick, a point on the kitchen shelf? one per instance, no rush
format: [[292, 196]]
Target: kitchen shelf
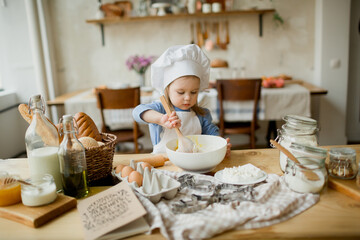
[[124, 20], [178, 16]]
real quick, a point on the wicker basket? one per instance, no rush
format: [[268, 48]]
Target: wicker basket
[[99, 160]]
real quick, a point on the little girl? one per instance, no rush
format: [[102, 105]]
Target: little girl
[[180, 73]]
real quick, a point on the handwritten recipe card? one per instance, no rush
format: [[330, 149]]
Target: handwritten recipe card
[[108, 211]]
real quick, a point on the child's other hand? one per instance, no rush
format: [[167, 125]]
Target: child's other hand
[[228, 148], [171, 121]]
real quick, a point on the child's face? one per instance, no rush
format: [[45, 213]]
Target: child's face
[[183, 92]]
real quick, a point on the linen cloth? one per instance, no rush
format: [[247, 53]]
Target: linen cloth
[[274, 203], [274, 104]]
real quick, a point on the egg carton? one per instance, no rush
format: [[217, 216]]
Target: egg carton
[[155, 184]]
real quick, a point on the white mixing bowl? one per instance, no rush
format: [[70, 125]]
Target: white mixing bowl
[[212, 152]]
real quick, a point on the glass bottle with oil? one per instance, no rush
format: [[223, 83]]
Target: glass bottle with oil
[[72, 160]]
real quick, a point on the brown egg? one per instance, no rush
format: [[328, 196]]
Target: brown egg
[[145, 165], [119, 168], [126, 171], [136, 177]]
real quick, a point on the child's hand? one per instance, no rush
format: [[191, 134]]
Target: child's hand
[[171, 121], [228, 150]]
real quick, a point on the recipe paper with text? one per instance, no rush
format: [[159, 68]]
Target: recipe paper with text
[[109, 210]]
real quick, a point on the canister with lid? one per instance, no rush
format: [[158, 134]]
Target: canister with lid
[[342, 163], [297, 129], [300, 176]]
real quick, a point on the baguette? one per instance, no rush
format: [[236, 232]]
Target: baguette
[[87, 127], [47, 135], [155, 161], [24, 111]]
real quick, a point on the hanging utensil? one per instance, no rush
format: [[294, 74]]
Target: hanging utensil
[[206, 34], [227, 32], [184, 143], [218, 34], [199, 35], [192, 33]]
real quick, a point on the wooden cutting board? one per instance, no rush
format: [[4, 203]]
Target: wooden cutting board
[[347, 187], [37, 216]]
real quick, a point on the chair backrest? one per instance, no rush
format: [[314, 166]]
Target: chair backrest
[[117, 99], [238, 90]]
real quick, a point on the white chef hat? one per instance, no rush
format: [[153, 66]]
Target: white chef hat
[[178, 61]]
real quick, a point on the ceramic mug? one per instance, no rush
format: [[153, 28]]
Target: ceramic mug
[[216, 7]]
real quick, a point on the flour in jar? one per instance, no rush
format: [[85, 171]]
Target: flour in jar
[[247, 172]]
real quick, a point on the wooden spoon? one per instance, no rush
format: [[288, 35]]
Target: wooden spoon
[[9, 180], [184, 144], [309, 175]]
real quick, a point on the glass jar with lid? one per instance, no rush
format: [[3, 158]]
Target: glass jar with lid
[[297, 129], [307, 176], [342, 163]]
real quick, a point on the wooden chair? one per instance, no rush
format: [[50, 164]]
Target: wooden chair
[[126, 98], [238, 90]]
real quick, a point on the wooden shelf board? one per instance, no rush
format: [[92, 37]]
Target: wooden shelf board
[[178, 16]]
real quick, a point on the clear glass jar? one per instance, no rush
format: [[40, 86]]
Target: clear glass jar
[[10, 191], [342, 163], [42, 143], [72, 160], [308, 176], [297, 129], [300, 150], [41, 192]]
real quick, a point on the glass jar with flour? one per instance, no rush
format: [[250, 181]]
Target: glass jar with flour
[[307, 176], [297, 129]]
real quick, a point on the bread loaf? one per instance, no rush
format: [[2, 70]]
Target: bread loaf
[[47, 136], [24, 111], [87, 127], [219, 63]]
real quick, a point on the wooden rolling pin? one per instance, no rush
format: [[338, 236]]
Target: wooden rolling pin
[[155, 160]]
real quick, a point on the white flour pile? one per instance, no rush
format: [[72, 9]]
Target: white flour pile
[[247, 172]]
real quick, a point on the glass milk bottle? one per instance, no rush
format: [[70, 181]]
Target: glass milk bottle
[[297, 129], [42, 143], [72, 160]]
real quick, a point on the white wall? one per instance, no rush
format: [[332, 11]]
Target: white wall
[[82, 62]]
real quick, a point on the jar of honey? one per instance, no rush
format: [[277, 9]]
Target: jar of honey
[[10, 191]]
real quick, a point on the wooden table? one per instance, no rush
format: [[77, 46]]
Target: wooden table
[[335, 216]]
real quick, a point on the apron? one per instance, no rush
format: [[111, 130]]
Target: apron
[[190, 125]]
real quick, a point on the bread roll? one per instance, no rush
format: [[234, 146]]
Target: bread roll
[[219, 63], [87, 127], [88, 142]]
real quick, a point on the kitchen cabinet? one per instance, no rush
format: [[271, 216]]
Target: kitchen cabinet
[[171, 17]]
